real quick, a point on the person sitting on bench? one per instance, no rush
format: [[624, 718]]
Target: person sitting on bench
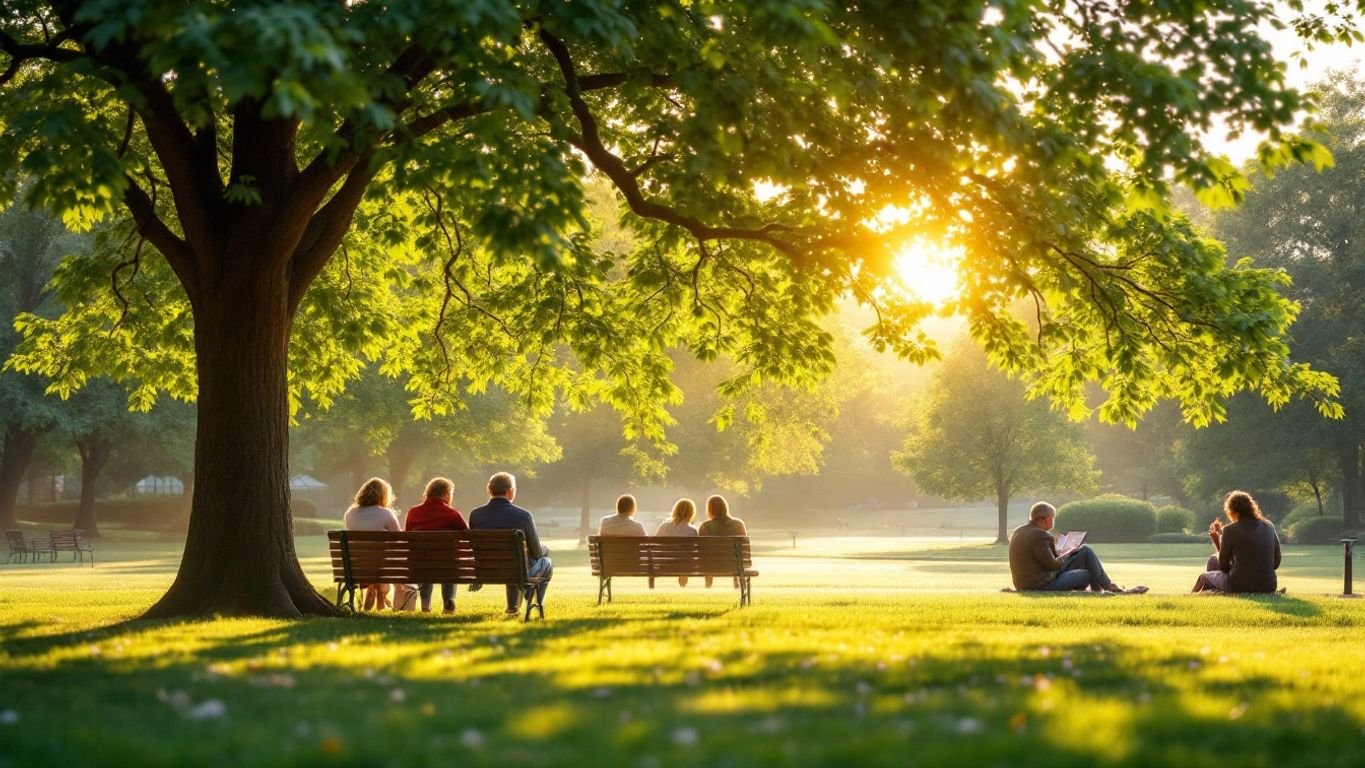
[[371, 512], [501, 514], [623, 523]]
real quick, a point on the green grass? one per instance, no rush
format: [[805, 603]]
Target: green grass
[[857, 651]]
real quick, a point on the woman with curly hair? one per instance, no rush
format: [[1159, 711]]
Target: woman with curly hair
[[1248, 551], [372, 511]]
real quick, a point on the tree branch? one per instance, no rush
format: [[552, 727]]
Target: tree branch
[[589, 141], [326, 229], [150, 226], [22, 53]]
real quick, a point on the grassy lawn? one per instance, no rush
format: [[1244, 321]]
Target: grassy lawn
[[858, 651]]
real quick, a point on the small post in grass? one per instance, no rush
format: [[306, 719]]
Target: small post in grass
[[1348, 545], [793, 533]]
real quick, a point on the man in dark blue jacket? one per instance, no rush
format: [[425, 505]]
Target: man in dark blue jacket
[[501, 514]]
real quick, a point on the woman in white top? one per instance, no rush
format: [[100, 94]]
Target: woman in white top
[[680, 524], [372, 512]]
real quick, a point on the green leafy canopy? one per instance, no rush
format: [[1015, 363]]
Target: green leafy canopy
[[443, 150]]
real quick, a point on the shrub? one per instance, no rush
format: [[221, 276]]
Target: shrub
[[1173, 519], [1109, 518], [302, 508], [151, 513], [1317, 530], [315, 526], [1177, 538], [1305, 511]]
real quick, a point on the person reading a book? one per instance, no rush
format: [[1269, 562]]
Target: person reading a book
[[1246, 550], [1036, 563]]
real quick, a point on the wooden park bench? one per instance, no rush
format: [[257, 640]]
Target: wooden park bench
[[431, 557], [71, 541], [25, 547], [655, 556]]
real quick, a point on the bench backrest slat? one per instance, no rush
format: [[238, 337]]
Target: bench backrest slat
[[669, 555], [428, 557]]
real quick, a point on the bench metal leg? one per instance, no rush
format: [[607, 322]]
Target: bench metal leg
[[603, 588], [528, 594], [746, 595], [348, 592]]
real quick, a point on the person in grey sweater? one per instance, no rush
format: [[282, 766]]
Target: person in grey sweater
[[1247, 550]]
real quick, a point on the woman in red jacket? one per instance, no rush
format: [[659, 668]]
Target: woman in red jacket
[[436, 514]]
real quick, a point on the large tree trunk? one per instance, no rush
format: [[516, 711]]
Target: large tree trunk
[[94, 451], [18, 450], [239, 553]]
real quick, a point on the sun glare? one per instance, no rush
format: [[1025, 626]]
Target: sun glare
[[928, 271]]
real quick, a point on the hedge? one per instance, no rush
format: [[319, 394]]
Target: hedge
[[1305, 511], [1108, 519], [315, 526], [1177, 538], [1317, 530], [150, 513], [1173, 519]]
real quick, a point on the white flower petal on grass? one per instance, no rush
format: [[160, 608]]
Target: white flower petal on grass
[[1236, 712], [212, 709], [602, 692], [9, 717], [472, 738], [685, 737], [397, 696]]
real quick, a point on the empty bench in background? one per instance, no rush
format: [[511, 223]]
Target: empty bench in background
[[73, 542], [431, 557], [655, 556]]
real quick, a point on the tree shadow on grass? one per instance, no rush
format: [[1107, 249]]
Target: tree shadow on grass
[[502, 701]]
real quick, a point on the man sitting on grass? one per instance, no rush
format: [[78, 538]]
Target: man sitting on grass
[[1035, 563]]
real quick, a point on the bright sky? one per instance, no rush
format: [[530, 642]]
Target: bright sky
[[1320, 63]]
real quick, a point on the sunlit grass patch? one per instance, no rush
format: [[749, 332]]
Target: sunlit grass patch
[[845, 659]]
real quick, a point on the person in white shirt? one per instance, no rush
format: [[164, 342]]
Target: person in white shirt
[[623, 523], [371, 512], [680, 524]]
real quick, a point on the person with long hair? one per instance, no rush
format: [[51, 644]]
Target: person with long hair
[[372, 510], [719, 523], [1247, 550], [679, 524]]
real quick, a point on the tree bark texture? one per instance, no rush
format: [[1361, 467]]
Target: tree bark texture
[[1002, 508], [14, 458], [239, 553], [94, 450]]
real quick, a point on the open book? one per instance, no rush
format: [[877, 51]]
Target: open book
[[1070, 540]]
